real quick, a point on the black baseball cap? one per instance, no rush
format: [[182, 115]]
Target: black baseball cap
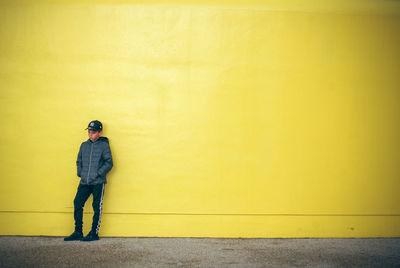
[[95, 125]]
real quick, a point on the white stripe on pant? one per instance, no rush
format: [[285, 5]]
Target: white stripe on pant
[[100, 210]]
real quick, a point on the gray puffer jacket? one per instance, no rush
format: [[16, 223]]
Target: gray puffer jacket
[[94, 161]]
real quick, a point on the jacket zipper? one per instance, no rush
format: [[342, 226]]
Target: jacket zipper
[[90, 161]]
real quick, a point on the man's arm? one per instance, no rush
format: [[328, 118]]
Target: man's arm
[[107, 163], [79, 162]]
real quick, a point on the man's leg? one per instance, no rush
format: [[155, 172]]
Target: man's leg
[[81, 197], [98, 192]]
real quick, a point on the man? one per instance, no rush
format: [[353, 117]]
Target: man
[[93, 163]]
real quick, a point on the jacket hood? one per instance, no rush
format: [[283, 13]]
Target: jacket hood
[[100, 139], [103, 139]]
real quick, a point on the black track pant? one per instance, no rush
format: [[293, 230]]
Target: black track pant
[[82, 195]]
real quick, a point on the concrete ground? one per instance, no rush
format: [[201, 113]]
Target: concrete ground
[[20, 251]]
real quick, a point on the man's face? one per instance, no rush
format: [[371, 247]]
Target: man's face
[[94, 135]]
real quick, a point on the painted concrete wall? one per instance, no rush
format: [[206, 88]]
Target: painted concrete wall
[[225, 119]]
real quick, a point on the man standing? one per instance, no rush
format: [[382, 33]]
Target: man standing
[[93, 163]]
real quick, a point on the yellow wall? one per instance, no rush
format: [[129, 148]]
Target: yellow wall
[[225, 118]]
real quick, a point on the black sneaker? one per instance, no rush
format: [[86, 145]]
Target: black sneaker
[[91, 236], [74, 236]]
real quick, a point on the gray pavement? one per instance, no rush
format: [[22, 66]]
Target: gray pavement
[[22, 251]]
